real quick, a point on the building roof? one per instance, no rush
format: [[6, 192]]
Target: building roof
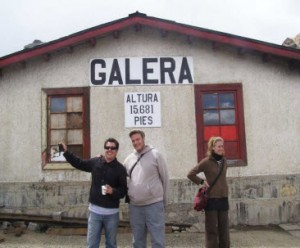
[[138, 20]]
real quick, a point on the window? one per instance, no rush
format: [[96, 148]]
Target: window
[[67, 120], [219, 112]]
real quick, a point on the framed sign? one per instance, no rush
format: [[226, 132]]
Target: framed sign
[[142, 109]]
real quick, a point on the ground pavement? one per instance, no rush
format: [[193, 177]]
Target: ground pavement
[[282, 236]]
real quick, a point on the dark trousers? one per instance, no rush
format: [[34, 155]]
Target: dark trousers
[[216, 229]]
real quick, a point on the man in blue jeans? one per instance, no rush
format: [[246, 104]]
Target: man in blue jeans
[[148, 184], [108, 187]]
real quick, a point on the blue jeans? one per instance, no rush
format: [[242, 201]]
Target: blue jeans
[[151, 218], [96, 223]]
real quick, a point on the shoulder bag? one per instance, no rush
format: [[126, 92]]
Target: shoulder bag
[[127, 200]]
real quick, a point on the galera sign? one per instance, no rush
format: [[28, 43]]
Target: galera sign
[[141, 71]]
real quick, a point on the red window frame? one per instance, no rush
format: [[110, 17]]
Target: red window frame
[[239, 156], [84, 92]]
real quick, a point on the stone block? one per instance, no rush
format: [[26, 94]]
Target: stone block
[[295, 233], [290, 227]]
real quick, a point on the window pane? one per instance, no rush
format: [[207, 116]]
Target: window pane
[[231, 149], [211, 131], [74, 120], [227, 100], [227, 116], [74, 136], [77, 150], [57, 104], [74, 104], [210, 101], [57, 136], [211, 117], [229, 132], [58, 121], [55, 155]]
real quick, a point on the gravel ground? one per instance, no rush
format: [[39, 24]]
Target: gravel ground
[[241, 237]]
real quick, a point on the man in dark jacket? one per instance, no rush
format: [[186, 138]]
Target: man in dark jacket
[[108, 187]]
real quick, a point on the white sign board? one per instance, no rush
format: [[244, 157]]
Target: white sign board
[[142, 109]]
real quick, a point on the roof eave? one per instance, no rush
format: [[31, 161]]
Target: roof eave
[[68, 41], [142, 19]]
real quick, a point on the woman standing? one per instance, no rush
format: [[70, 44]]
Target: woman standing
[[216, 211]]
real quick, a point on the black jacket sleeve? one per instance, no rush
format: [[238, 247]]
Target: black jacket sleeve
[[121, 190], [78, 163]]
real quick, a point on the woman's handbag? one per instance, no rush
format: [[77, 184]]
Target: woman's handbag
[[201, 198]]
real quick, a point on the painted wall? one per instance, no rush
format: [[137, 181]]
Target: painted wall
[[272, 126], [271, 96]]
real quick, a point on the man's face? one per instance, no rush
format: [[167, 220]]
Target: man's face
[[110, 151], [137, 142]]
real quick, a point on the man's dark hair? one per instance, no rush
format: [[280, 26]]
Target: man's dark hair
[[133, 132], [112, 140]]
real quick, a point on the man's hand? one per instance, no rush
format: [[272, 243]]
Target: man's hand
[[63, 146], [109, 189], [206, 183]]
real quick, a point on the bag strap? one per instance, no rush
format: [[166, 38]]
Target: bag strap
[[220, 172], [131, 169]]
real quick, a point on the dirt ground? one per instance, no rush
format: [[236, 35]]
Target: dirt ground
[[241, 237]]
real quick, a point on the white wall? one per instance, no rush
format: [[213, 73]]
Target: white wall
[[271, 97]]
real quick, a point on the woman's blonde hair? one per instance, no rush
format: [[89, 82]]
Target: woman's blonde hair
[[210, 144]]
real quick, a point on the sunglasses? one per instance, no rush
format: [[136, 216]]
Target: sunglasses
[[110, 148]]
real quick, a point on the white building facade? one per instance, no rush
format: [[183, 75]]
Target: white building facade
[[178, 83]]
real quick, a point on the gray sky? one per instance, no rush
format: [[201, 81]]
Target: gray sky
[[22, 21]]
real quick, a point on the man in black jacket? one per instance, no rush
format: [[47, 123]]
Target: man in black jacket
[[108, 187]]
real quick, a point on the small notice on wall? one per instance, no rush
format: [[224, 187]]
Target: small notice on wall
[[142, 109]]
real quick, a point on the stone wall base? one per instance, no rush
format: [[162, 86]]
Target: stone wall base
[[260, 200]]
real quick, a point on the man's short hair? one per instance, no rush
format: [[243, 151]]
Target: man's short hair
[[133, 132], [112, 140]]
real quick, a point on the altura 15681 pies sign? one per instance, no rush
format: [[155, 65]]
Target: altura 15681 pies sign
[[141, 71]]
